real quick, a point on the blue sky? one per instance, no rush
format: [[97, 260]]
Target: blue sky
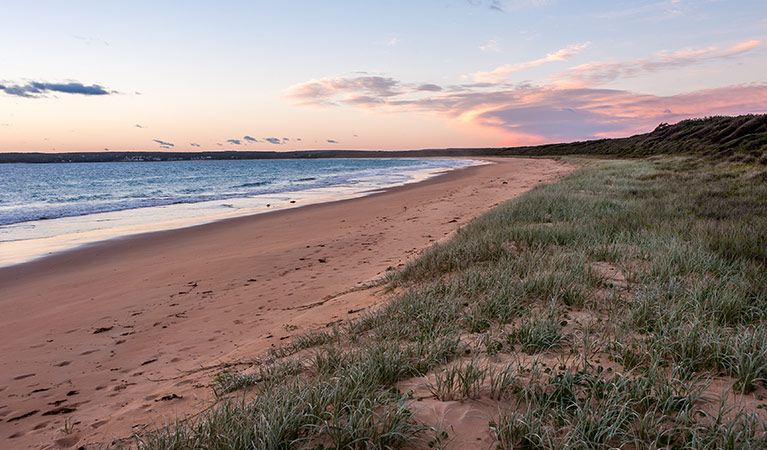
[[389, 75]]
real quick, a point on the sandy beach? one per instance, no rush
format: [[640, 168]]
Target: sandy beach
[[104, 340]]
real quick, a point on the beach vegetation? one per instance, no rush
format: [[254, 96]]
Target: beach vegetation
[[624, 306]]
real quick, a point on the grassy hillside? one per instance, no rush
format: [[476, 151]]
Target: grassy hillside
[[742, 138]]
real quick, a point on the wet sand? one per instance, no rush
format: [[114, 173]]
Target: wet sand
[[129, 333]]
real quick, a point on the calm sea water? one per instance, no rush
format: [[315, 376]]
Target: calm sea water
[[46, 191], [50, 207]]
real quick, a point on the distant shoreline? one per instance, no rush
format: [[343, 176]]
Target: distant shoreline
[[147, 156], [740, 137]]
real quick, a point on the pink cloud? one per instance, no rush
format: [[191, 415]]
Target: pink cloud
[[529, 114], [573, 108], [321, 91], [603, 72], [501, 73], [358, 90], [555, 114], [491, 46]]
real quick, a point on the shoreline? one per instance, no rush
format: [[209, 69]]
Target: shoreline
[[37, 239], [108, 331], [168, 232]]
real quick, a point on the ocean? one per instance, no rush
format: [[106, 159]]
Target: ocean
[[45, 208]]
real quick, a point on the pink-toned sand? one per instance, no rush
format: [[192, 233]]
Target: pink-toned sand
[[128, 333]]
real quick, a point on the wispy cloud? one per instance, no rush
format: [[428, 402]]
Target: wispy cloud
[[491, 46], [194, 144], [234, 141], [495, 5], [332, 141], [163, 143], [601, 72], [502, 6], [503, 72], [250, 139], [356, 91], [36, 89], [653, 10], [389, 42], [90, 40], [273, 140], [428, 87], [317, 91], [138, 125]]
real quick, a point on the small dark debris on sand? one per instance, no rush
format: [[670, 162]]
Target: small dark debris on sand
[[167, 397], [102, 329]]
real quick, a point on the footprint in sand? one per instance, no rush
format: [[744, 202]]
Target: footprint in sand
[[24, 416], [59, 410], [98, 423], [21, 377], [68, 441]]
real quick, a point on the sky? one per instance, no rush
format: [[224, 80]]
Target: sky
[[81, 76]]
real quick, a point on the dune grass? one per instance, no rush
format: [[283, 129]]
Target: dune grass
[[633, 295]]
